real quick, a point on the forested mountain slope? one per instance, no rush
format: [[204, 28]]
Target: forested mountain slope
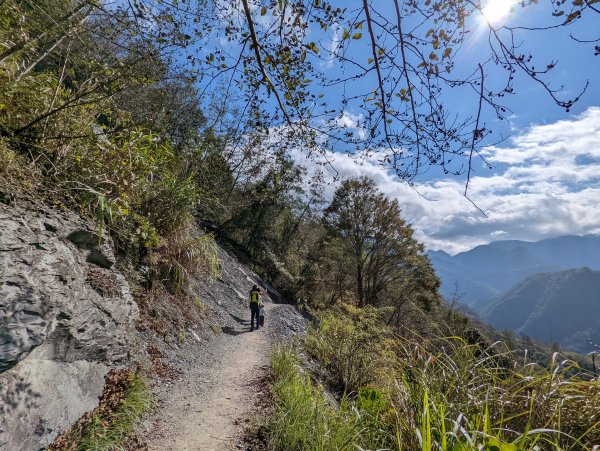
[[486, 271], [559, 307]]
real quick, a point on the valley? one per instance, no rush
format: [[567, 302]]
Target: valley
[[547, 290]]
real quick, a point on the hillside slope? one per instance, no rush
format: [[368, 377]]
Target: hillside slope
[[559, 307], [68, 317], [486, 271]]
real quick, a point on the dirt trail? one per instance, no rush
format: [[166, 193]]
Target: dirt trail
[[202, 409]]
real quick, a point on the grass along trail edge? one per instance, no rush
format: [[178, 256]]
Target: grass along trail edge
[[202, 410]]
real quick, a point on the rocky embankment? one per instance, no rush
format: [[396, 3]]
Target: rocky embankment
[[66, 318]]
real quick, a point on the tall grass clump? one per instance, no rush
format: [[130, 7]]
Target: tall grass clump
[[463, 396], [303, 420], [182, 253], [112, 432], [445, 393]]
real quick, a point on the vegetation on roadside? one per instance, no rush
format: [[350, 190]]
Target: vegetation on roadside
[[303, 418], [426, 394], [98, 114], [122, 406]]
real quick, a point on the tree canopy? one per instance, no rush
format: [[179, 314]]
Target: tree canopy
[[395, 65], [379, 256]]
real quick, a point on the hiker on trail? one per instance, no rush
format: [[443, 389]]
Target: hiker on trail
[[254, 307]]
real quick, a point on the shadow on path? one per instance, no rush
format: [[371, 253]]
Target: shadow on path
[[240, 320], [231, 331]]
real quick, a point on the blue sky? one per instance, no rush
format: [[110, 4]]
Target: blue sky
[[544, 178]]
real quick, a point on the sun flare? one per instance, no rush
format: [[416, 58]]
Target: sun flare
[[496, 10]]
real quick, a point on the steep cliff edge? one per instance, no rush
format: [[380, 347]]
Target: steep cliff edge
[[66, 318]]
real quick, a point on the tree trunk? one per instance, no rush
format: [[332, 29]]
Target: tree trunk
[[359, 285]]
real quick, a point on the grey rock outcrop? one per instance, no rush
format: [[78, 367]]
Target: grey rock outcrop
[[66, 318]]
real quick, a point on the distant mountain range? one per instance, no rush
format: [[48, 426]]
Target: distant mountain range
[[486, 271], [548, 290], [560, 307]]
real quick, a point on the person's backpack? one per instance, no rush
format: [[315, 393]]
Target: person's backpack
[[255, 297]]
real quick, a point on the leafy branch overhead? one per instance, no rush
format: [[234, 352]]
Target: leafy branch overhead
[[393, 65], [374, 79]]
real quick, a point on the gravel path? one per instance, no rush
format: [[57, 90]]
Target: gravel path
[[219, 361], [203, 408]]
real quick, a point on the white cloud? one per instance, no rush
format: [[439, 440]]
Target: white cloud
[[352, 122], [348, 120], [563, 140], [333, 47], [547, 183]]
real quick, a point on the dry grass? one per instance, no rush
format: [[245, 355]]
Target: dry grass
[[439, 394], [183, 253]]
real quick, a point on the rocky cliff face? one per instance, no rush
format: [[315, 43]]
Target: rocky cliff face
[[66, 318]]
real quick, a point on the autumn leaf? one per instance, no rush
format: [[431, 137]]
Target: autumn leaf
[[571, 17], [312, 46]]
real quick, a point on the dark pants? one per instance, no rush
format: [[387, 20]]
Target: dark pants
[[253, 315]]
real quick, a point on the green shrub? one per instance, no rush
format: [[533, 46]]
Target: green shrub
[[444, 393], [303, 420], [352, 347], [24, 117], [132, 185]]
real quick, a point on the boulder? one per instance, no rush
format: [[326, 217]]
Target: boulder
[[66, 318]]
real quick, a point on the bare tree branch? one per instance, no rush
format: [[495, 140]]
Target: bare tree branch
[[477, 134], [259, 60]]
